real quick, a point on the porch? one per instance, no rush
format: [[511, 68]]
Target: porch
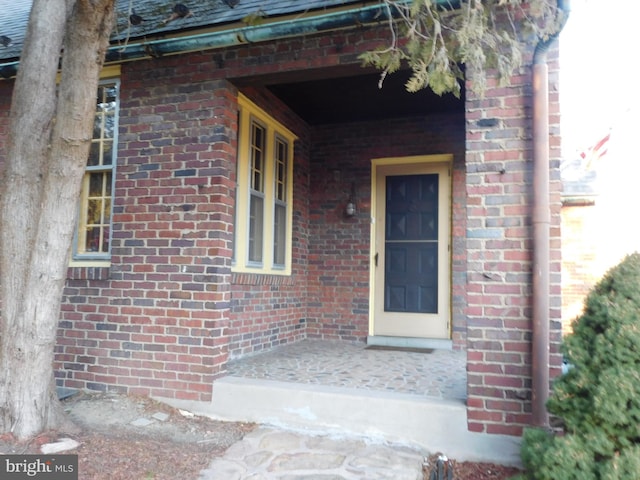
[[424, 373], [404, 396]]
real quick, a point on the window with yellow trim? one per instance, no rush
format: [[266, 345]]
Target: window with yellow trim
[[93, 236], [264, 209]]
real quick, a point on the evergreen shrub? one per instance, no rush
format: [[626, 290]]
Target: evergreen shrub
[[598, 398]]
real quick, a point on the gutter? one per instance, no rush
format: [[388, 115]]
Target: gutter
[[247, 34], [236, 36], [541, 220], [291, 27]]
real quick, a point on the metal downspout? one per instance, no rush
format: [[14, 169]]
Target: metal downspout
[[541, 221]]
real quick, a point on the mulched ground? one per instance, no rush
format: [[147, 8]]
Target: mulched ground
[[471, 470]]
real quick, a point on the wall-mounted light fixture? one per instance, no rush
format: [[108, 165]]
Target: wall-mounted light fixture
[[350, 210]]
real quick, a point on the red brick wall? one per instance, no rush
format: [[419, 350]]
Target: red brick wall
[[580, 267], [340, 247], [156, 322], [595, 237], [167, 314], [499, 177], [270, 310]]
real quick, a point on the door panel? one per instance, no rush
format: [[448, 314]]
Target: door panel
[[412, 235], [411, 243], [411, 278]]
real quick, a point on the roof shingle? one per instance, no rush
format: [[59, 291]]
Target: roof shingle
[[14, 16]]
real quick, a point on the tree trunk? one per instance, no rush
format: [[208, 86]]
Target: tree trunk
[[48, 146]]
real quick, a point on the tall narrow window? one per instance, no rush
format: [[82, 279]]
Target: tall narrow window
[[256, 202], [262, 235], [94, 220], [280, 215]]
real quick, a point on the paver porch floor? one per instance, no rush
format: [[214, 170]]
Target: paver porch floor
[[439, 374]]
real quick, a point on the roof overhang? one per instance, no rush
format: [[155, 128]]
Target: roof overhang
[[241, 34]]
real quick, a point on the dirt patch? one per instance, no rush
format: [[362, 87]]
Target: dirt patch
[[167, 444]]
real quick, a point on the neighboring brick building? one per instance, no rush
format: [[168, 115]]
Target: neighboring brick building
[[595, 237], [184, 273]]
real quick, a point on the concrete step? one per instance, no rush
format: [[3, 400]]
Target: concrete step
[[433, 424]]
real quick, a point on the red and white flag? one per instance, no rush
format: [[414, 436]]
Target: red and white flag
[[594, 153]]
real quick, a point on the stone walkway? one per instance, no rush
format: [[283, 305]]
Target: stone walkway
[[272, 454], [439, 374]]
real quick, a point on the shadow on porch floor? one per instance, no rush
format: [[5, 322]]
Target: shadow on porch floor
[[440, 374]]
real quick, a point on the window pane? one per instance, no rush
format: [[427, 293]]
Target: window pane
[[280, 212], [107, 98], [107, 212], [111, 94], [104, 126], [256, 223], [94, 212], [95, 184], [257, 176], [280, 235], [94, 154], [258, 135], [93, 239], [282, 154], [107, 152], [109, 124], [97, 215], [97, 126], [257, 157], [97, 226]]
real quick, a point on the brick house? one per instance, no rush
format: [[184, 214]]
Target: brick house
[[205, 121]]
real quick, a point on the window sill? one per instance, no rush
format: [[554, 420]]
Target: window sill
[[89, 271], [242, 278]]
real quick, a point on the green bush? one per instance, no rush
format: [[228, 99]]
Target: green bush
[[598, 399]]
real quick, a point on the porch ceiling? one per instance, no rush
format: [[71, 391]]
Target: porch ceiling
[[356, 97]]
